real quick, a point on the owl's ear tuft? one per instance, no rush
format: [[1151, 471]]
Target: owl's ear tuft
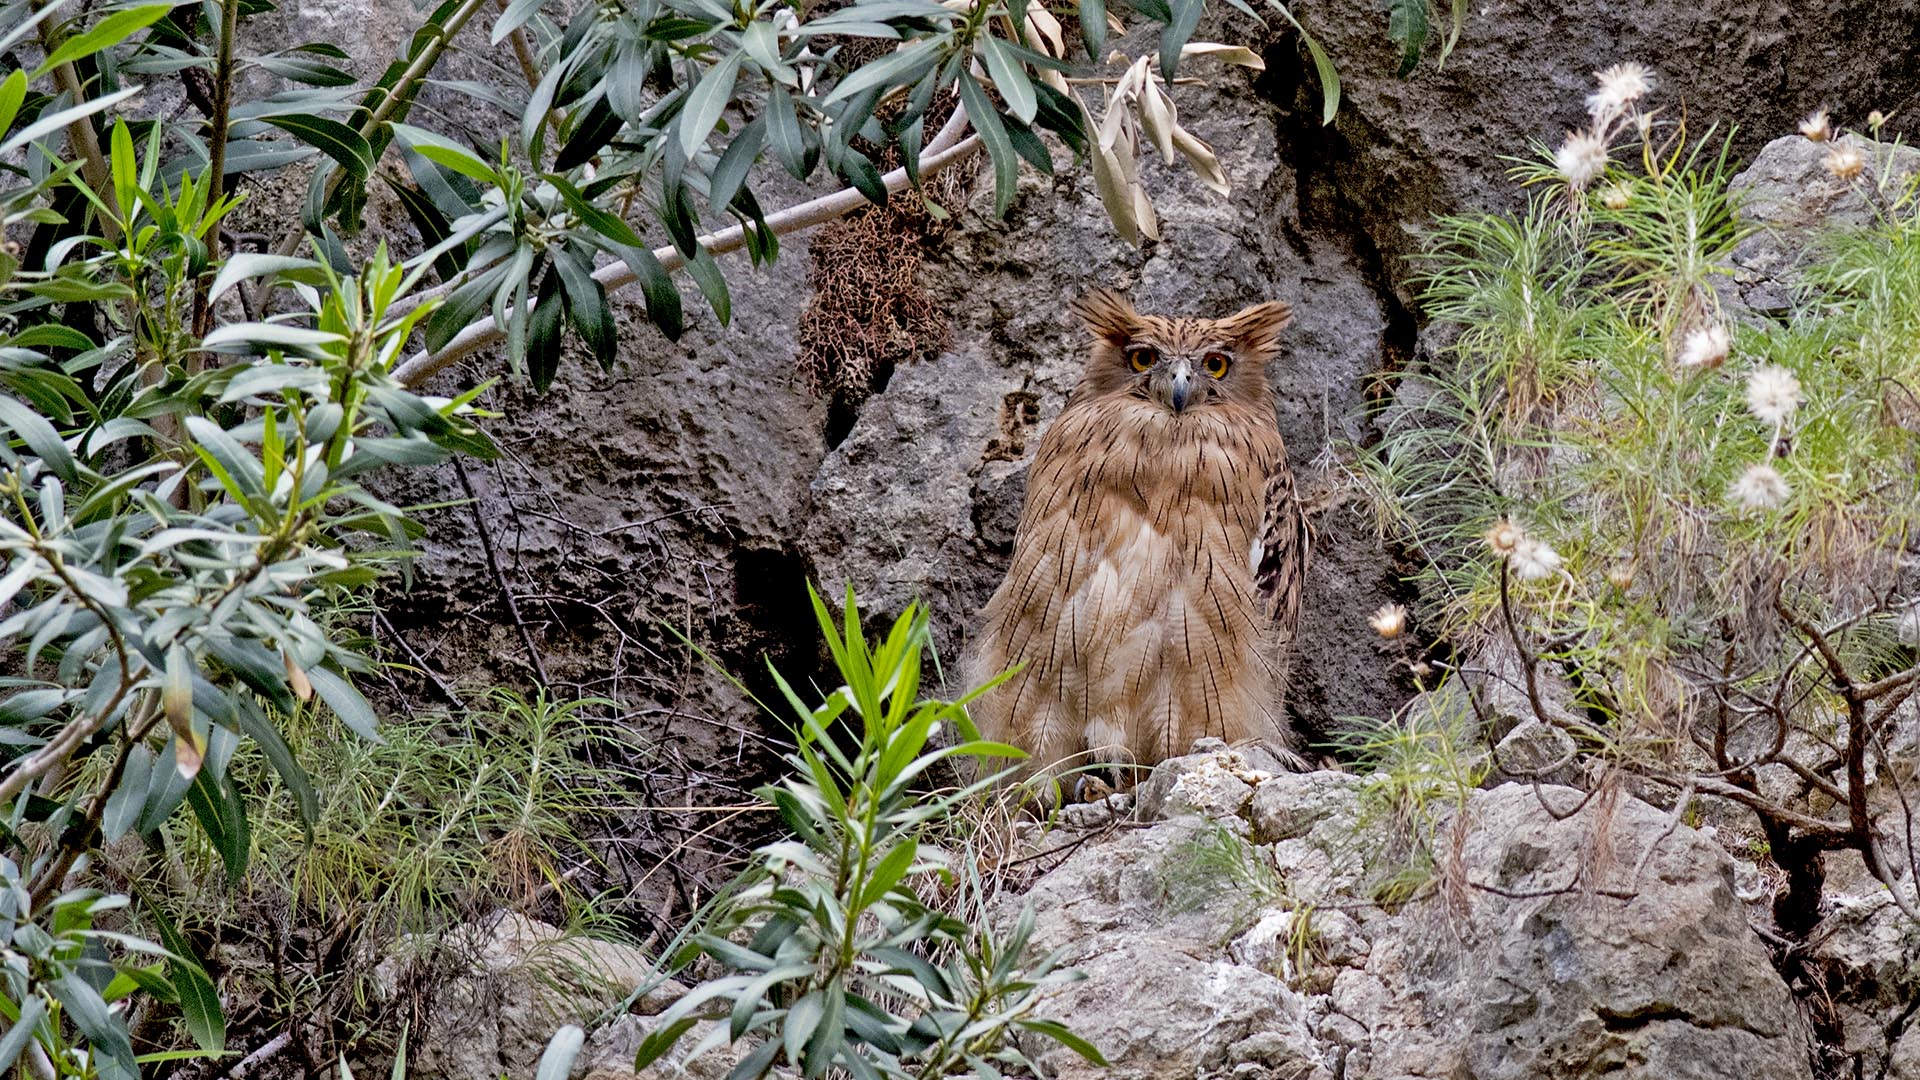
[[1107, 314], [1256, 330]]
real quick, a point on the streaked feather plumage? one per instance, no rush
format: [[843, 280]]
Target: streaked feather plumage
[[1155, 581]]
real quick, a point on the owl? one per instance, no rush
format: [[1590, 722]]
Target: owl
[[1156, 573]]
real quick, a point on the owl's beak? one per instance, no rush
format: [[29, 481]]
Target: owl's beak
[[1179, 385]]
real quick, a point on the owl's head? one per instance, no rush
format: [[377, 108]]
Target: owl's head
[[1183, 364]]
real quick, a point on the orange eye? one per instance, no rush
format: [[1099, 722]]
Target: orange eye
[[1216, 364], [1142, 357]]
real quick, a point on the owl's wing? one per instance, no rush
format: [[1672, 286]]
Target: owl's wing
[[1280, 552]]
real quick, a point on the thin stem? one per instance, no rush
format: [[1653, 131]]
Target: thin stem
[[86, 142], [217, 127], [415, 71]]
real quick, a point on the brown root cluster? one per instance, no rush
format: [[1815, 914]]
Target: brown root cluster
[[868, 312]]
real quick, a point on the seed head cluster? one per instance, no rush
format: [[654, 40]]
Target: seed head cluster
[[1845, 161], [1582, 158], [1530, 559], [1390, 621]]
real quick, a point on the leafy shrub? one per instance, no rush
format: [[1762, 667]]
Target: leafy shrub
[[447, 820], [839, 962], [1688, 525]]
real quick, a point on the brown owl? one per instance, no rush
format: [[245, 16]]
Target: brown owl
[[1156, 573]]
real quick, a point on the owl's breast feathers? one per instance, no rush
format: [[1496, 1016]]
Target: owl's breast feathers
[[1152, 586]]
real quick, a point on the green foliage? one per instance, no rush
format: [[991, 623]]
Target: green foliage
[[839, 962], [1691, 518], [445, 816], [189, 428], [63, 975], [446, 819], [1568, 407]]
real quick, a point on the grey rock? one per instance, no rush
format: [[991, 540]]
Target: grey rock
[[1666, 980], [521, 981], [1199, 951], [1294, 806], [1790, 197], [1537, 751], [1904, 1061], [1213, 781]]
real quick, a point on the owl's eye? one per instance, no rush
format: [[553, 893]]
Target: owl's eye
[[1142, 357], [1216, 364]]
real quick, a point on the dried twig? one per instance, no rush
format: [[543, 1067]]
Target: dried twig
[[499, 578]]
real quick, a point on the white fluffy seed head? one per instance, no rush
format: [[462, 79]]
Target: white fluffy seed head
[[1772, 394], [1390, 621], [1845, 162], [1760, 487], [1616, 196], [1581, 159], [1706, 346], [1504, 537], [1620, 86], [1534, 560], [1817, 128]]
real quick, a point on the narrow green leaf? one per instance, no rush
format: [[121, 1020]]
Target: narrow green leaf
[[706, 101], [40, 438], [1006, 162], [254, 724], [32, 1011], [199, 998], [1186, 17], [48, 124], [1322, 65], [346, 703], [332, 138], [593, 217], [248, 264], [111, 1052], [802, 1018], [513, 18], [223, 817], [1407, 27], [663, 300], [797, 154], [105, 34], [441, 150], [587, 304], [240, 471], [1010, 78], [1093, 27], [13, 91], [660, 1041], [1061, 1034], [901, 68], [545, 331], [888, 872], [731, 170]]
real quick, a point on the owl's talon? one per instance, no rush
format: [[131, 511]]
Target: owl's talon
[[1090, 788]]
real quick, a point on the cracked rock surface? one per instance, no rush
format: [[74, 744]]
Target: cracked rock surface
[[1248, 943]]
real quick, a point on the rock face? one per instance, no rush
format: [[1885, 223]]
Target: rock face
[[699, 485], [695, 487], [1246, 945]]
